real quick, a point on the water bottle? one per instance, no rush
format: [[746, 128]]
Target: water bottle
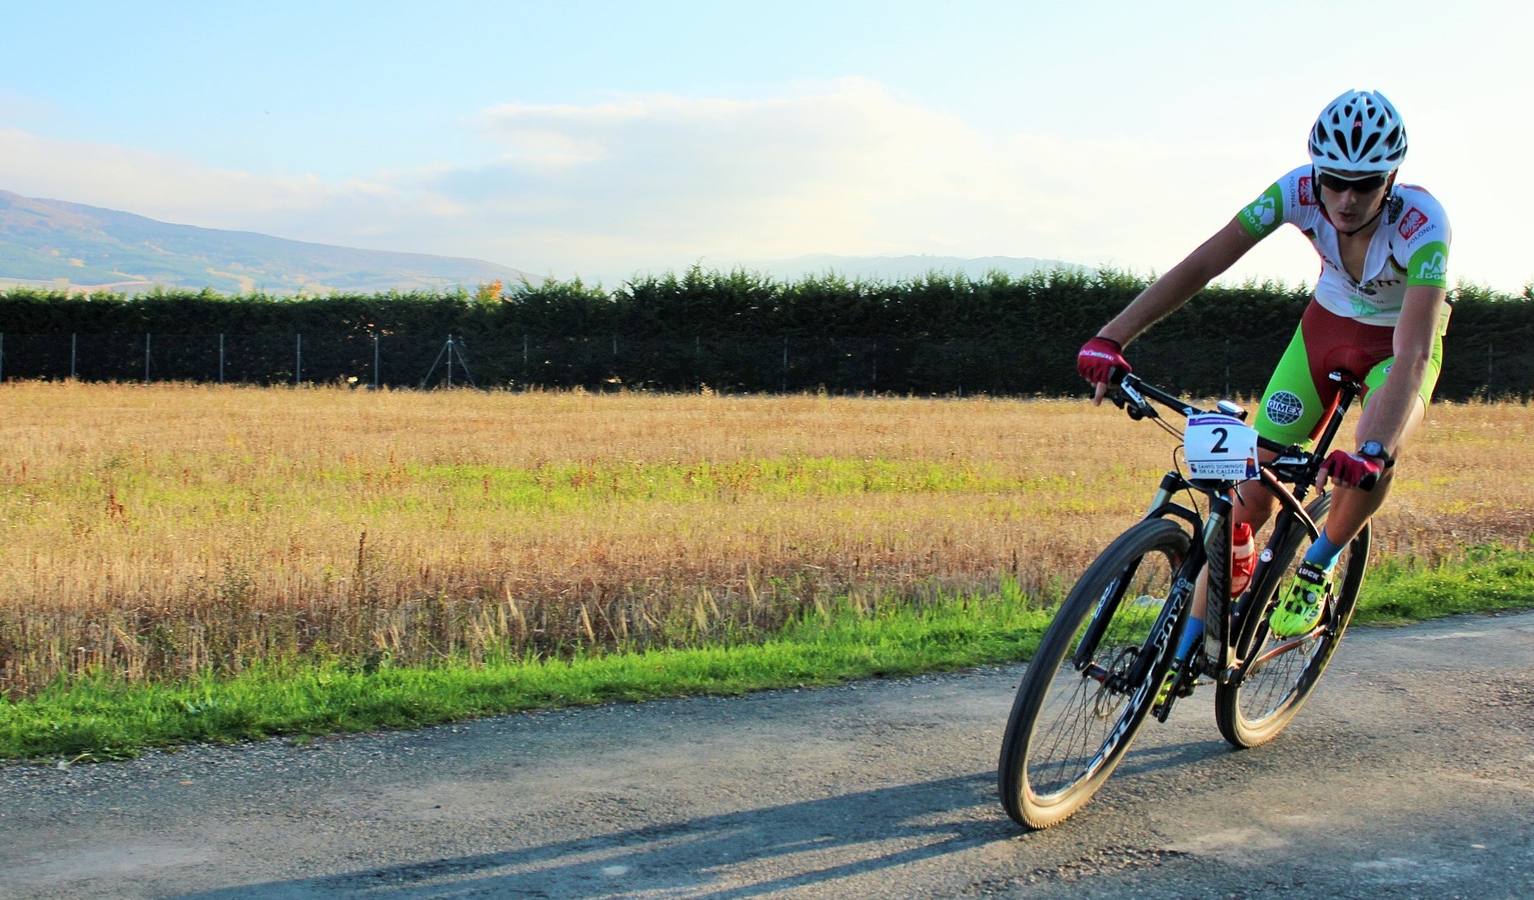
[[1243, 558]]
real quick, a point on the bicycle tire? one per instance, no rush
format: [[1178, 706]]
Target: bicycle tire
[[1254, 709], [1036, 790]]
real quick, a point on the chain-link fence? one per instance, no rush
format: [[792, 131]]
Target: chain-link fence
[[918, 365]]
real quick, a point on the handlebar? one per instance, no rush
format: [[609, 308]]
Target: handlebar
[[1292, 463], [1134, 393]]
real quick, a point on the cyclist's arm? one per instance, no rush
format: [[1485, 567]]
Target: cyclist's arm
[[1390, 408], [1169, 292]]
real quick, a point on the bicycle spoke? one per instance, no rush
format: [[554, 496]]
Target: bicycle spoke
[[1082, 709], [1281, 672], [1073, 718]]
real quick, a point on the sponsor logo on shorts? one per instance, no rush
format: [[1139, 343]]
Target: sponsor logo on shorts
[[1415, 219], [1307, 195], [1285, 408]]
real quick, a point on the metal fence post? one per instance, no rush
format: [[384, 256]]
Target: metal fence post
[[74, 346], [146, 357], [450, 360], [1227, 367], [524, 360], [375, 362], [220, 357], [298, 363], [785, 364], [2, 356]]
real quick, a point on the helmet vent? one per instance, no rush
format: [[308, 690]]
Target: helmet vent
[[1359, 131]]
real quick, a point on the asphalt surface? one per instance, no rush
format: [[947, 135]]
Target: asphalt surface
[[1410, 773]]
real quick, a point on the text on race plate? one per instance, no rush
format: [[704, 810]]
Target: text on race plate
[[1220, 448]]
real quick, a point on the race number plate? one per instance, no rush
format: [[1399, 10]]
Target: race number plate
[[1220, 448]]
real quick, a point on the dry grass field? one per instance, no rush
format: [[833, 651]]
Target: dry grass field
[[165, 530]]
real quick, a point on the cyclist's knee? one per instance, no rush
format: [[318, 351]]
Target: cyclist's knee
[[1256, 504]]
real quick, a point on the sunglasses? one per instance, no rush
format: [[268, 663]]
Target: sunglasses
[[1368, 184]]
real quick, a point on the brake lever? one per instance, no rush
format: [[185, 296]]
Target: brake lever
[[1132, 401]]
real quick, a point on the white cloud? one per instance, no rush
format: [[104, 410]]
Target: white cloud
[[846, 167]]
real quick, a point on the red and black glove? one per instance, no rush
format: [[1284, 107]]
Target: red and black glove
[[1352, 469], [1098, 358]]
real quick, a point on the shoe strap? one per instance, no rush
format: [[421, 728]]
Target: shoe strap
[[1311, 572]]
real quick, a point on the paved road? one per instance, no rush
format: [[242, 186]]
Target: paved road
[[1411, 773]]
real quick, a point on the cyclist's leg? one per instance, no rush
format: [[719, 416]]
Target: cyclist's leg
[[1301, 607], [1351, 507], [1292, 407], [1254, 506]]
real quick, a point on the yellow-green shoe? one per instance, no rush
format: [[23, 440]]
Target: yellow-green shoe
[[1164, 693], [1300, 609]]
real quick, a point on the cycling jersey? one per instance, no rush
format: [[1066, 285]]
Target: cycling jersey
[[1410, 247]]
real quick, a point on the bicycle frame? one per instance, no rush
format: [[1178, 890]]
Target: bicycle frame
[[1223, 619]]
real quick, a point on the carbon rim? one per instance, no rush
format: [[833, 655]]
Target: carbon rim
[[1083, 716]]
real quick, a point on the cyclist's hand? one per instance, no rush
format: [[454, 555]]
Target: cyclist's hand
[[1097, 360], [1350, 469]]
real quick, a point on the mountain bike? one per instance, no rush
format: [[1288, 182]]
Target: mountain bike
[[1112, 645]]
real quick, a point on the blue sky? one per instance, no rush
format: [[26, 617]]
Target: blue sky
[[601, 138]]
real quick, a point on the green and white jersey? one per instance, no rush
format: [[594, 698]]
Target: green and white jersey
[[1410, 247]]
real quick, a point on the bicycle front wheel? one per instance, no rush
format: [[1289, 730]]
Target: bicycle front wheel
[[1279, 674], [1078, 708]]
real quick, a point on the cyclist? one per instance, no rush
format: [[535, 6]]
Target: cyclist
[[1379, 311]]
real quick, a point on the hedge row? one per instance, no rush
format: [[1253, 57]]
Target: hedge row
[[731, 331]]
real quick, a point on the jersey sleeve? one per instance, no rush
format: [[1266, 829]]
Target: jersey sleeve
[[1289, 199], [1421, 238]]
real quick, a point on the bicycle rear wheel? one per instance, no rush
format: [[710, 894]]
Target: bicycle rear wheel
[[1076, 711], [1280, 673]]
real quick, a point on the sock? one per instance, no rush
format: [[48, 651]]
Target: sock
[[1190, 636], [1323, 553]]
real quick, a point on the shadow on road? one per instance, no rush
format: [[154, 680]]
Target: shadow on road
[[878, 829], [815, 841], [1145, 757]]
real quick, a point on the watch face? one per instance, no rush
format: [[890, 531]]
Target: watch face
[[1372, 448]]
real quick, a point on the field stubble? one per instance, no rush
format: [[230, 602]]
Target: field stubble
[[171, 530]]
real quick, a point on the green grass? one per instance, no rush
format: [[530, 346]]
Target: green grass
[[99, 718], [1487, 579]]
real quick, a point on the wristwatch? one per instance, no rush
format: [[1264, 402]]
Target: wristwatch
[[1376, 450]]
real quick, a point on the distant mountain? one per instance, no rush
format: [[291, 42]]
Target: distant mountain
[[51, 242], [901, 268]]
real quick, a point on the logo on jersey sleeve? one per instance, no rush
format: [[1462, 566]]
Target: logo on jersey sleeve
[[1263, 214], [1412, 223], [1307, 193], [1285, 408], [1429, 265]]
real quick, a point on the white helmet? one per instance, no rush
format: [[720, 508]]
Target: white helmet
[[1358, 132]]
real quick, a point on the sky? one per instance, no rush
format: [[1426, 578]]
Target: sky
[[601, 139]]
